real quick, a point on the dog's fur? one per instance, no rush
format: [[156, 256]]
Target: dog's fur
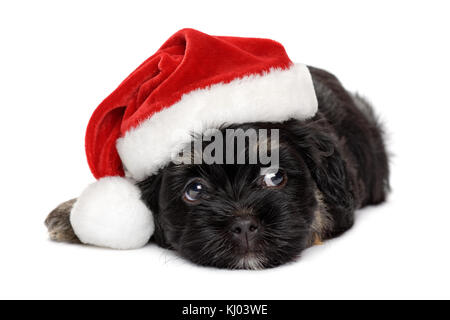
[[335, 163]]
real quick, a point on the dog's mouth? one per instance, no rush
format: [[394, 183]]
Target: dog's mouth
[[225, 250]]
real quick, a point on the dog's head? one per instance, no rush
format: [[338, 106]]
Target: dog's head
[[232, 215]]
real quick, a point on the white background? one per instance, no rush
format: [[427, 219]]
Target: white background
[[59, 59]]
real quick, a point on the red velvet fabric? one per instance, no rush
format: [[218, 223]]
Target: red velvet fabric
[[189, 60]]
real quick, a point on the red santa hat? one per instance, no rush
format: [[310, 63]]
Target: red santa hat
[[192, 83]]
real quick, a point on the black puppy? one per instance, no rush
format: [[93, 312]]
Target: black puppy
[[232, 216]]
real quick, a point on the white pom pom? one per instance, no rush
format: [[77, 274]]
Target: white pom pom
[[110, 213]]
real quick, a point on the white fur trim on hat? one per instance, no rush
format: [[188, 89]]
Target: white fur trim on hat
[[277, 95], [110, 213]]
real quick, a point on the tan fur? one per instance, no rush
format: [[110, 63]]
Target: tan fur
[[58, 223], [322, 222]]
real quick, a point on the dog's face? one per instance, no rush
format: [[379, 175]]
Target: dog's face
[[236, 215]]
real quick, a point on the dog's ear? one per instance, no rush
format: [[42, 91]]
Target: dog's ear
[[318, 146]]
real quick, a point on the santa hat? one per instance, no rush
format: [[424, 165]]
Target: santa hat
[[192, 83]]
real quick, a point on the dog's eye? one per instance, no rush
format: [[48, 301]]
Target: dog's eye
[[193, 191], [274, 179]]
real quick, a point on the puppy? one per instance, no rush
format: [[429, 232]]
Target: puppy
[[240, 216]]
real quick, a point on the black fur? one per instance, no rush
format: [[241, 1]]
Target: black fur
[[339, 155]]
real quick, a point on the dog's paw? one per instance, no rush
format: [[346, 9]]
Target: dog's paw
[[58, 223]]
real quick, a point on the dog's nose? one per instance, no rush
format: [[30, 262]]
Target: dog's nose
[[245, 229]]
